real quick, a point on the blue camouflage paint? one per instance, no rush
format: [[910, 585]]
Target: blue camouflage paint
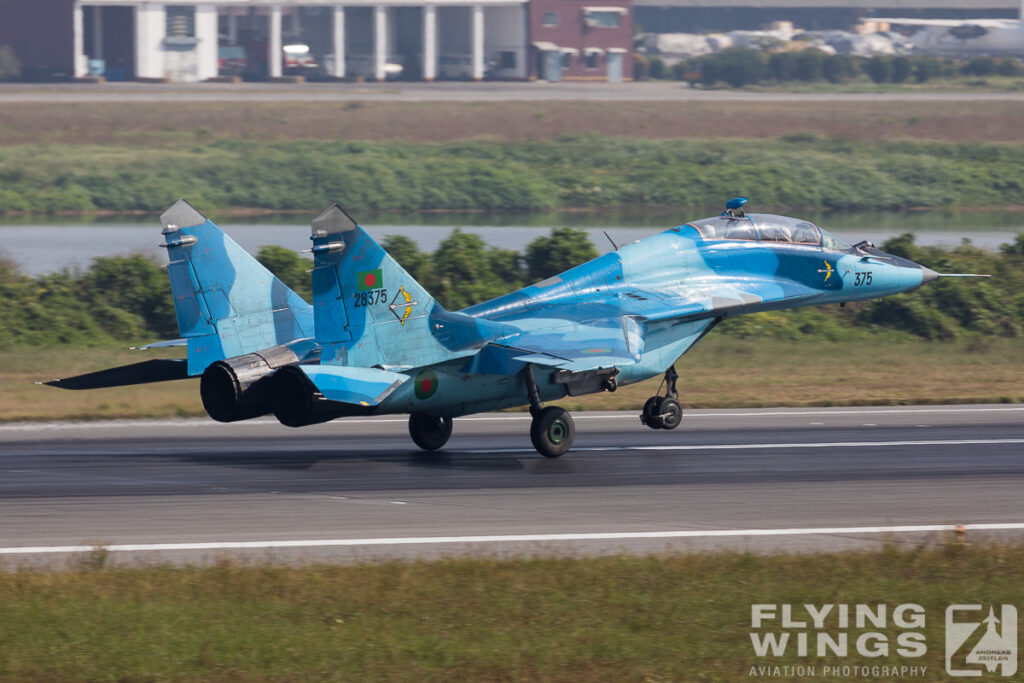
[[227, 303], [636, 309]]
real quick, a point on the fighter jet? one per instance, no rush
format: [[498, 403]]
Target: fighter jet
[[375, 342]]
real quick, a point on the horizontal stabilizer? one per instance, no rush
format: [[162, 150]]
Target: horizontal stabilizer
[[161, 345], [354, 385], [146, 372]]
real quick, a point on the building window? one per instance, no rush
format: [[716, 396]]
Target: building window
[[603, 18], [590, 60], [181, 21], [550, 19], [566, 59], [507, 60]]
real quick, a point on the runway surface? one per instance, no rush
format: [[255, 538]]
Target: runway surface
[[795, 479], [493, 91]]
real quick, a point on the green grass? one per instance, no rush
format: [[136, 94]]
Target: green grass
[[795, 171], [672, 617], [721, 372]]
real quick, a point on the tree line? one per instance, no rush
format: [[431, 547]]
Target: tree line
[[741, 66], [128, 299]]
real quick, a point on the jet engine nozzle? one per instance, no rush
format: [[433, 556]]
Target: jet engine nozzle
[[239, 388], [297, 402]]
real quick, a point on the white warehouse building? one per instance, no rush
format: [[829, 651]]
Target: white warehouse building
[[196, 40]]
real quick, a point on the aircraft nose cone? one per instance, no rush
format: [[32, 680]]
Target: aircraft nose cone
[[927, 275]]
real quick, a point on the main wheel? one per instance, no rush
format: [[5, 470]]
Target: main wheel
[[651, 416], [671, 413], [552, 431], [429, 432]]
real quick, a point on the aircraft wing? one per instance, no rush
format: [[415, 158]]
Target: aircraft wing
[[610, 331]]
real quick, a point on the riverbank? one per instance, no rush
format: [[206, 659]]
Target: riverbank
[[797, 170]]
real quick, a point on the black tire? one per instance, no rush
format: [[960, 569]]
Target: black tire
[[651, 415], [552, 431], [671, 413], [429, 432]]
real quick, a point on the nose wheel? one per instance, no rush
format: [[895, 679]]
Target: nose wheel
[[663, 412], [553, 429]]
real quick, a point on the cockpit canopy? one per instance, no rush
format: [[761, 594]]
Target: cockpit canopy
[[766, 227]]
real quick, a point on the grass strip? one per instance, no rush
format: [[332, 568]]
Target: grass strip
[[721, 372], [670, 617], [796, 171]]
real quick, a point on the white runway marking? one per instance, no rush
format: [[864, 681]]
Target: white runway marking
[[761, 446], [511, 538], [689, 414]]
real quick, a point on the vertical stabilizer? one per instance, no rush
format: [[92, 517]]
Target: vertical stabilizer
[[227, 303], [370, 312]]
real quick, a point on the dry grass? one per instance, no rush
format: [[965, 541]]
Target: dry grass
[[157, 124], [720, 373]]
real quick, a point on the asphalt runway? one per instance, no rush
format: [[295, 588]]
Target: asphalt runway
[[792, 479], [493, 91]]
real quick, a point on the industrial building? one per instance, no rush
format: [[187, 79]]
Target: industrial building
[[197, 40]]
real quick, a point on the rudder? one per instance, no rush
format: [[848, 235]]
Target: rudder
[[370, 312], [227, 302]]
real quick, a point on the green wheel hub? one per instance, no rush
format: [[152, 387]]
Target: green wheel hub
[[558, 431]]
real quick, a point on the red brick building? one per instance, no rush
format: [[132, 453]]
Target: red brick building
[[581, 40]]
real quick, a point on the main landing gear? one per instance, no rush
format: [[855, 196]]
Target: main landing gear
[[664, 412], [429, 432], [552, 430]]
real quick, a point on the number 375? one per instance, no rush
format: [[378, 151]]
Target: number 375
[[862, 278]]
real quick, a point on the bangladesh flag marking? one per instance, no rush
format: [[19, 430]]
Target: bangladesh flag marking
[[425, 384], [370, 279]]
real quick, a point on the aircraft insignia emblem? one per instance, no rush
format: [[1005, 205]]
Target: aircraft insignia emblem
[[402, 305], [828, 270]]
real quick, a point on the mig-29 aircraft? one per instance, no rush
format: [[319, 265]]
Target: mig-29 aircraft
[[375, 342]]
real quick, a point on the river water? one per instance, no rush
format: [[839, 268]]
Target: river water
[[41, 246]]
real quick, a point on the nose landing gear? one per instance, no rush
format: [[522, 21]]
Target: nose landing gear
[[664, 412], [553, 429]]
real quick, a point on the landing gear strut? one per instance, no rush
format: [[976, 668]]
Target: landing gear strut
[[552, 430], [429, 432], [664, 412]]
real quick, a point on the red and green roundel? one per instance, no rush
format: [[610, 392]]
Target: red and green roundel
[[425, 384], [369, 279]]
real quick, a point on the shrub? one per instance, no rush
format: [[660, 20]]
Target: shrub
[[901, 68], [838, 68], [782, 66], [1008, 66], [879, 69], [656, 68], [980, 66], [737, 66], [809, 64], [639, 67], [927, 68]]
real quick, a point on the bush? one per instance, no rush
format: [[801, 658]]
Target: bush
[[980, 66], [656, 68], [927, 68], [782, 66], [879, 69], [901, 68], [10, 65], [1008, 66], [640, 66], [838, 68], [809, 64], [737, 66]]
